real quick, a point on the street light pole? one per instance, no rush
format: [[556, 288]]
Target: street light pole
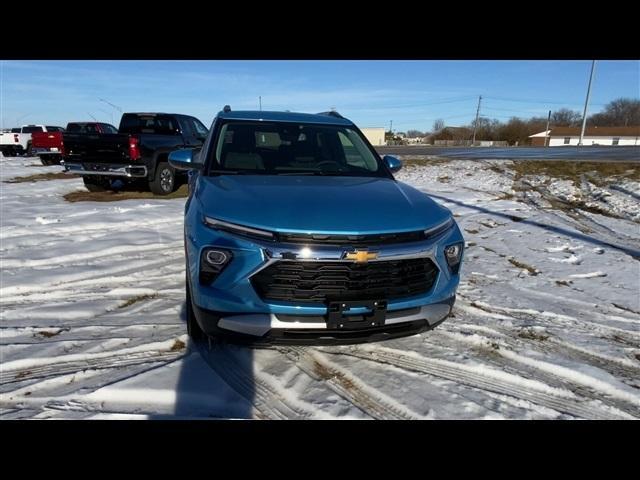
[[546, 132], [586, 104]]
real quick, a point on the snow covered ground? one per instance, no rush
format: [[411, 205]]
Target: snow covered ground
[[547, 322]]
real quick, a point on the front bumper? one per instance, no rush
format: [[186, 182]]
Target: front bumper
[[45, 151], [231, 305], [109, 170], [313, 330]]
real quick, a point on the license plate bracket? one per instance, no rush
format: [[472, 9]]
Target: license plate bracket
[[338, 319]]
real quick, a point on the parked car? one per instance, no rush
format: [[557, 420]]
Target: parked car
[[18, 142], [295, 230], [50, 145], [139, 151]]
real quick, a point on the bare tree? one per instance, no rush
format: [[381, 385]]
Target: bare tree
[[414, 133], [622, 112], [566, 118], [438, 125]]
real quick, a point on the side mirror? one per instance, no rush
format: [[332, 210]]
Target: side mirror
[[185, 159], [393, 163]]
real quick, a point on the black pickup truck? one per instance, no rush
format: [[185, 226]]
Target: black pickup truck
[[139, 151]]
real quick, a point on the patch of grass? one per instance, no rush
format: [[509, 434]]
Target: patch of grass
[[573, 170], [111, 196], [137, 299], [505, 196], [472, 231], [40, 177], [422, 160], [443, 179], [563, 283], [22, 374], [517, 263], [531, 334], [178, 345], [49, 334]]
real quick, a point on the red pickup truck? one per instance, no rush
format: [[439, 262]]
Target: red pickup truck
[[49, 146]]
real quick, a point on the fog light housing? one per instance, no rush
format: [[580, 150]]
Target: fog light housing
[[212, 262], [453, 254]]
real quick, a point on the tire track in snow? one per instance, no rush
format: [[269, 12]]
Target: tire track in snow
[[483, 378], [618, 367], [554, 375], [269, 402], [364, 397], [39, 368]]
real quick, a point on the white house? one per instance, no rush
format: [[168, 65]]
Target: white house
[[559, 136], [375, 135]]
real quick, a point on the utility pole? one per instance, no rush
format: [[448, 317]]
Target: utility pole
[[586, 104], [391, 126], [475, 127], [260, 100], [546, 132]]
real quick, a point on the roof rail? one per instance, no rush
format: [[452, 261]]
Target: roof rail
[[331, 113]]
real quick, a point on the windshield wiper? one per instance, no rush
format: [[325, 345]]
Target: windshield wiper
[[230, 172], [319, 173]]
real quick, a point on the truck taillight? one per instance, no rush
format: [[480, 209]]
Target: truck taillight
[[134, 148], [16, 138]]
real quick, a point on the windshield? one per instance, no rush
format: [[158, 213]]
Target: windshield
[[279, 148]]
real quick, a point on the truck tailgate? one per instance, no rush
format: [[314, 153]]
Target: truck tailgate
[[102, 147], [46, 139]]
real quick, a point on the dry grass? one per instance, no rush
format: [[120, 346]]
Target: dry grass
[[530, 334], [111, 196], [517, 263], [178, 345], [40, 177], [600, 174], [137, 299]]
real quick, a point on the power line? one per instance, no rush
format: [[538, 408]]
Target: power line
[[413, 104], [555, 102]]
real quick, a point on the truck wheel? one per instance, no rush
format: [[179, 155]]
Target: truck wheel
[[164, 181], [95, 184]]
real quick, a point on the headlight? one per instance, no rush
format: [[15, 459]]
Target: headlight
[[453, 254], [212, 263], [237, 229]]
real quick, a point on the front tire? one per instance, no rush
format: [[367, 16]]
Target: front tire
[[164, 180], [193, 329]]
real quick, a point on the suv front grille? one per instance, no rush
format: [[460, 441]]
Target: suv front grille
[[352, 240], [320, 282]]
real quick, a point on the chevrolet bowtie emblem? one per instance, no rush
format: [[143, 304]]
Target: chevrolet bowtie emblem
[[360, 256]]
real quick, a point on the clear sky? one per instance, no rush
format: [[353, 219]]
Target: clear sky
[[412, 94]]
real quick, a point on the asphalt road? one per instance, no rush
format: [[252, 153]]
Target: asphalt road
[[595, 154]]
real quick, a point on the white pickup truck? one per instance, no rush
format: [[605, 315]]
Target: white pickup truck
[[18, 140]]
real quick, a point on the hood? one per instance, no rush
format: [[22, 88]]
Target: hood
[[317, 204]]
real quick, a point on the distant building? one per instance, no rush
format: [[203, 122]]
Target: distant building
[[375, 135], [559, 136]]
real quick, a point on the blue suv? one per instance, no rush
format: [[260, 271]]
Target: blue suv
[[296, 231]]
